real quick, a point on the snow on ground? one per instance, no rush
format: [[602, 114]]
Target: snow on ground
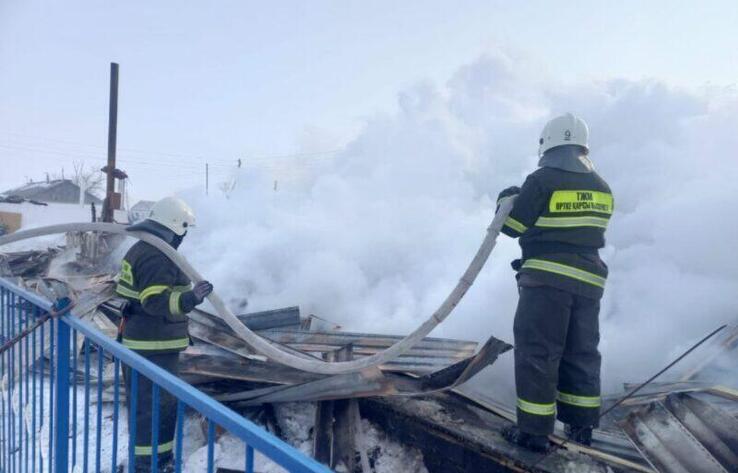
[[295, 421]]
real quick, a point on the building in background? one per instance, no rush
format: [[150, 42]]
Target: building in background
[[140, 211], [62, 191]]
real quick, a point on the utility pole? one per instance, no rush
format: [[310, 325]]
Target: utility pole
[[207, 178], [109, 205]]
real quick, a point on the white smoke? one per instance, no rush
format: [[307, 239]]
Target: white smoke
[[376, 239]]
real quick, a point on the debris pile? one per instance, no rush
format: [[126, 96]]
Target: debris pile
[[690, 424], [26, 264], [16, 199], [415, 399]]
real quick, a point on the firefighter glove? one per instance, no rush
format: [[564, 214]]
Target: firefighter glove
[[201, 290], [510, 191]]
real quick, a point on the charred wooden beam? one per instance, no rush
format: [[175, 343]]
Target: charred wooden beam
[[323, 427], [344, 426], [323, 432], [334, 439], [457, 437]]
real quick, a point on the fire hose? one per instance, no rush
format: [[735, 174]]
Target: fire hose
[[266, 347]]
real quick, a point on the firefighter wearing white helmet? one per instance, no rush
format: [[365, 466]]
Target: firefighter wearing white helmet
[[158, 295], [560, 216], [564, 130], [174, 214]]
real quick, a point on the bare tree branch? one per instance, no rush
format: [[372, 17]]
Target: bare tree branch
[[88, 178]]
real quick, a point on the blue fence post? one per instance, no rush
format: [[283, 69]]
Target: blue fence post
[[58, 419], [61, 409]]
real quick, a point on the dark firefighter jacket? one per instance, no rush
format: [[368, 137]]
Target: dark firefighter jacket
[[561, 217], [154, 286]]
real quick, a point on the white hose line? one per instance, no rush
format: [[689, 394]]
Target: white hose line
[[264, 346]]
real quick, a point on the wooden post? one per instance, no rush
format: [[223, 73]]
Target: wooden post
[[323, 429], [108, 205], [334, 434], [344, 425]]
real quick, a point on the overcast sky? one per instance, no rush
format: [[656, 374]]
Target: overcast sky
[[221, 80]]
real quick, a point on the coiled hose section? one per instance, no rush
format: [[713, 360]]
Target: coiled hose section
[[266, 347]]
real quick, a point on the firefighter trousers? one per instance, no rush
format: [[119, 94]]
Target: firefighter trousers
[[557, 364], [144, 409]]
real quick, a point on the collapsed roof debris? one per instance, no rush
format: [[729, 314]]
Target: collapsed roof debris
[[416, 399], [689, 425], [26, 263], [684, 433]]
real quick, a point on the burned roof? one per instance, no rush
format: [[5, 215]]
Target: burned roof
[[418, 399]]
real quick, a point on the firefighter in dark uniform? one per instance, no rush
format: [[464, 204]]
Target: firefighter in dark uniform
[[155, 325], [560, 215]]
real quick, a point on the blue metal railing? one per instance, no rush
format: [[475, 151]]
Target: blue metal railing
[[40, 430]]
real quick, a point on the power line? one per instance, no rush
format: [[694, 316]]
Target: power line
[[199, 159], [185, 172], [72, 154], [179, 167]]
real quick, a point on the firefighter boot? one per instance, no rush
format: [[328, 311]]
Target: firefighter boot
[[536, 443], [168, 466], [578, 434]]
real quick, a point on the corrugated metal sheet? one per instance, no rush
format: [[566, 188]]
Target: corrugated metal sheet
[[373, 382], [684, 434], [429, 355]]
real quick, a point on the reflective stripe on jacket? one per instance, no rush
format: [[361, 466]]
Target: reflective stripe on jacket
[[153, 285], [561, 218]]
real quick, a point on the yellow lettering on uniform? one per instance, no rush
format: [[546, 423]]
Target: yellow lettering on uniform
[[126, 273], [581, 201]]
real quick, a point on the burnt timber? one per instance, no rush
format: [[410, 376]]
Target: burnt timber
[[416, 399]]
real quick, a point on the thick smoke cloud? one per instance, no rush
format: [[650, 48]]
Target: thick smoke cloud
[[375, 239]]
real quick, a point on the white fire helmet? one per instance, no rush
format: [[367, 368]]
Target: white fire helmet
[[173, 213], [567, 129]]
